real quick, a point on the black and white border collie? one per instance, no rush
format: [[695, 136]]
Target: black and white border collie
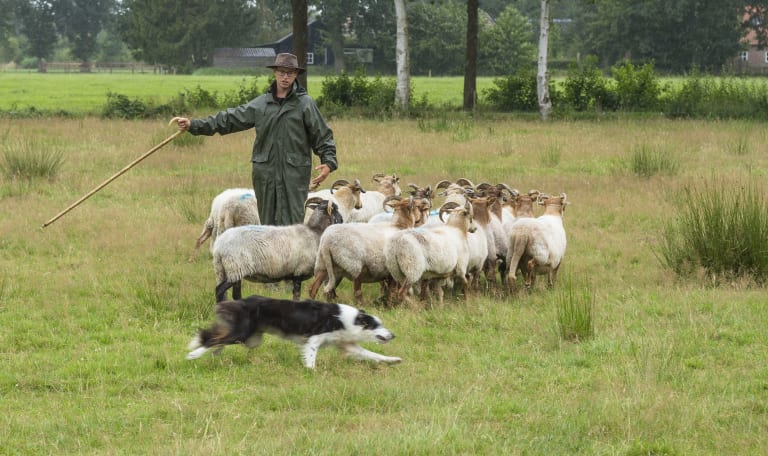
[[311, 324]]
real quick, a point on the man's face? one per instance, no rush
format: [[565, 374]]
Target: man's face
[[285, 77]]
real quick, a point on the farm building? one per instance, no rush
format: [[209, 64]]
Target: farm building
[[319, 54]]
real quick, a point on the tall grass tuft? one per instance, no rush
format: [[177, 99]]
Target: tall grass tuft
[[30, 159], [575, 311], [740, 146], [721, 229], [647, 161], [552, 155]]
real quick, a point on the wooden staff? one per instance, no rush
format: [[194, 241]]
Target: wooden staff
[[115, 176]]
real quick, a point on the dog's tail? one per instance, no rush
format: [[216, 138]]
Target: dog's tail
[[220, 333]]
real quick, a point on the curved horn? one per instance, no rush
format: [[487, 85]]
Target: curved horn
[[446, 208], [313, 200], [512, 192], [443, 184], [338, 183], [387, 200], [464, 182], [377, 177], [483, 186]]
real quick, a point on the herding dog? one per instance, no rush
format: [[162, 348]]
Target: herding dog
[[311, 324]]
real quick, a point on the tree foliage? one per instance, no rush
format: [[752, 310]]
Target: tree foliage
[[677, 36], [37, 24], [437, 37], [80, 21], [506, 45], [184, 33]]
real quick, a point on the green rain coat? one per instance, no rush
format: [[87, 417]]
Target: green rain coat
[[287, 134]]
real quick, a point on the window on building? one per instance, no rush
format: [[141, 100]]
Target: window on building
[[310, 58], [744, 55], [766, 57]]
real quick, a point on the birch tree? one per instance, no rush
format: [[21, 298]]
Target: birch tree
[[403, 88], [542, 76]]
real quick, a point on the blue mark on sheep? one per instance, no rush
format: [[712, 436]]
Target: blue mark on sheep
[[256, 227], [245, 196]]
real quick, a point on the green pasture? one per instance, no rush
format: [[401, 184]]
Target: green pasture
[[98, 307], [87, 93]]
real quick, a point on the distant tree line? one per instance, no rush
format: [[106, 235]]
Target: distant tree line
[[676, 36]]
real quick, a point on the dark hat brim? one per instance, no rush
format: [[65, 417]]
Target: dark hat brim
[[299, 69]]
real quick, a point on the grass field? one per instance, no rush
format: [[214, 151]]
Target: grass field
[[98, 307], [87, 93]]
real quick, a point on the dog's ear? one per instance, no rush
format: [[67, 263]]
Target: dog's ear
[[366, 321]]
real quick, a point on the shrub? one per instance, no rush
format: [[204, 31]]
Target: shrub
[[516, 92], [28, 160], [722, 229], [585, 89], [726, 98], [358, 94], [637, 90], [199, 98], [121, 107], [246, 92]]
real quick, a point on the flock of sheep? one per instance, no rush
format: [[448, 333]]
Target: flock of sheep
[[399, 240]]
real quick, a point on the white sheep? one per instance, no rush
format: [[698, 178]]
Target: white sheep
[[355, 251], [482, 243], [266, 254], [496, 226], [346, 195], [537, 245], [232, 207], [422, 197], [436, 252], [372, 201], [518, 206]]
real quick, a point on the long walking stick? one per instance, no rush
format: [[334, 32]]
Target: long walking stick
[[115, 176]]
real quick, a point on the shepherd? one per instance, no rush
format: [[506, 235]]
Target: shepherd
[[289, 128]]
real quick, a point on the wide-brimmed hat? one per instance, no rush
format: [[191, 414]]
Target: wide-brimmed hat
[[286, 60]]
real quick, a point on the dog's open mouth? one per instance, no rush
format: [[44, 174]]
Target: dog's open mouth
[[382, 339]]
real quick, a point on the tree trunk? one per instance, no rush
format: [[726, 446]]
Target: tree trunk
[[470, 63], [300, 36], [542, 77], [403, 88]]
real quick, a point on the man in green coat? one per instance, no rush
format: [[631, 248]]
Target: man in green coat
[[289, 127]]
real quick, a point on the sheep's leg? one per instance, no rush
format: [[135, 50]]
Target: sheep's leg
[[502, 277], [207, 230], [221, 290], [385, 290], [490, 274], [552, 278], [296, 289], [358, 287], [319, 278], [530, 274], [439, 284], [237, 290]]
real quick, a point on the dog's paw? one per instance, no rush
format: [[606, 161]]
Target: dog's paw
[[393, 360], [194, 354]]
